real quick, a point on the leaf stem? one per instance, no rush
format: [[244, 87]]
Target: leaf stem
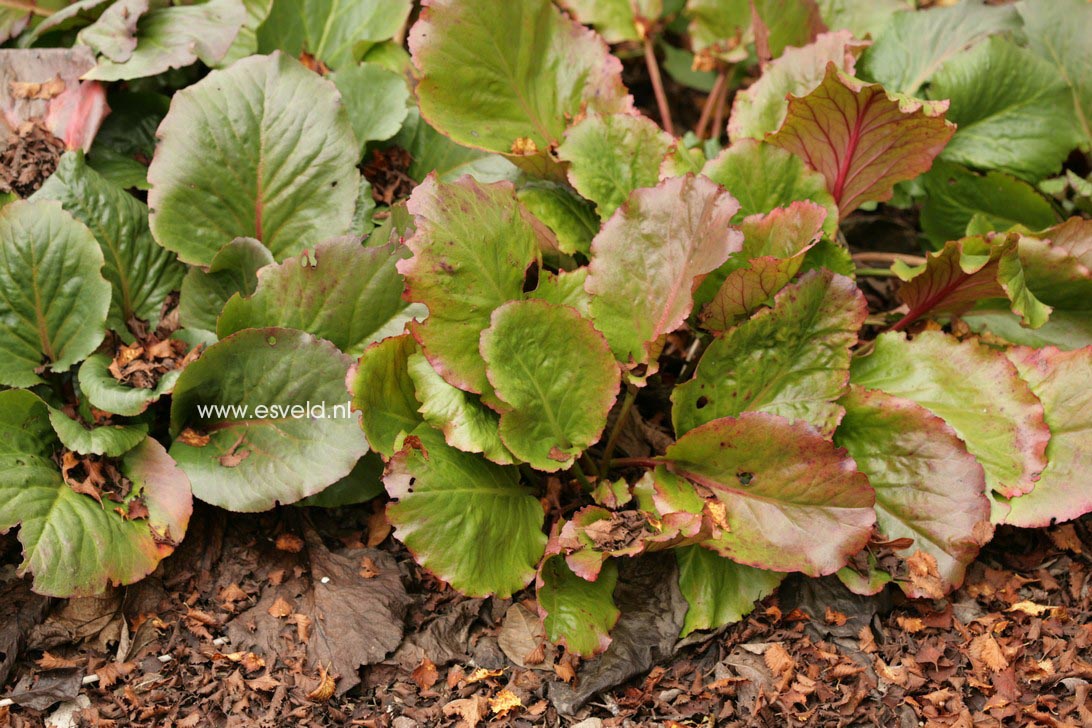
[[876, 272], [635, 463], [658, 86], [881, 257], [616, 431], [26, 6], [710, 100], [579, 472]]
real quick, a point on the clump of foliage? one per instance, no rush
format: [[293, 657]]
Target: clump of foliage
[[581, 338]]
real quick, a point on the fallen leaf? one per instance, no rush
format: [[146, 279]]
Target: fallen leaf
[[984, 650], [913, 625], [925, 575], [425, 674], [281, 608], [471, 710], [482, 674], [265, 683], [779, 660], [1065, 537], [504, 702], [325, 688], [52, 662], [1033, 609], [368, 568], [835, 617], [112, 671]]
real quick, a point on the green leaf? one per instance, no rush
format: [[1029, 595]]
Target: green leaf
[[467, 424], [616, 20], [25, 428], [72, 544], [928, 487], [774, 246], [55, 301], [648, 259], [718, 590], [465, 519], [110, 440], [258, 458], [861, 17], [1003, 99], [760, 109], [1058, 32], [913, 46], [571, 218], [1060, 380], [578, 614], [954, 195], [679, 64], [975, 390], [113, 34], [550, 410], [331, 30], [233, 270], [141, 273], [339, 291], [106, 393], [968, 271], [493, 72], [174, 36], [383, 391], [1058, 264], [363, 483], [473, 246], [791, 360], [611, 156], [862, 139], [375, 98], [779, 484], [1066, 329], [241, 156], [763, 177]]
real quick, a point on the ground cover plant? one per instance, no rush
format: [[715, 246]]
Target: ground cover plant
[[440, 264]]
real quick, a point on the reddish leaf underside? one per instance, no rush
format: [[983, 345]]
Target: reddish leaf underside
[[862, 139]]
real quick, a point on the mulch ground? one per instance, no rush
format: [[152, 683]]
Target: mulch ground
[[254, 621]]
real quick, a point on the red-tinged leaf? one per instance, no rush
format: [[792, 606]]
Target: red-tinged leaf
[[862, 139], [974, 389], [781, 484], [1058, 263], [773, 251], [967, 271], [760, 108], [929, 489], [473, 246], [649, 257], [1061, 380]]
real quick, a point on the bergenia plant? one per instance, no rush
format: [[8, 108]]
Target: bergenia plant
[[551, 333]]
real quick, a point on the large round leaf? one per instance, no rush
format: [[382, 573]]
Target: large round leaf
[[578, 614], [287, 432], [340, 291], [141, 273], [791, 360], [780, 484], [928, 487], [330, 30], [507, 76], [974, 389], [551, 411], [74, 545], [465, 519], [241, 154], [204, 292], [55, 301], [110, 440], [106, 393]]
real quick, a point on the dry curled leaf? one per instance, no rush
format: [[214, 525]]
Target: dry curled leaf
[[471, 710], [425, 674], [504, 702], [984, 651], [289, 542], [325, 688]]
